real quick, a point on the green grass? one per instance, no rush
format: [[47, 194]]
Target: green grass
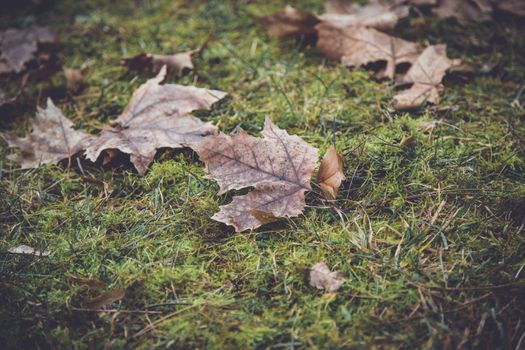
[[430, 234]]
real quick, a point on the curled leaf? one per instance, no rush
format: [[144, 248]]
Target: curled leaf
[[53, 139], [330, 173], [278, 166], [157, 116], [322, 278]]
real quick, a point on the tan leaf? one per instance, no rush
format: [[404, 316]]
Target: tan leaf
[[179, 63], [19, 46], [378, 14], [330, 173], [357, 46], [322, 278], [75, 79], [157, 116], [27, 250], [290, 23], [465, 10], [52, 140], [105, 299], [278, 166], [425, 75]]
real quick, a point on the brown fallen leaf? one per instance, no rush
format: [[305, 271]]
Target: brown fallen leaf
[[75, 78], [465, 10], [322, 278], [357, 46], [52, 140], [105, 299], [291, 23], [19, 46], [330, 173], [27, 250], [157, 116], [378, 14], [180, 63], [278, 166], [425, 75]]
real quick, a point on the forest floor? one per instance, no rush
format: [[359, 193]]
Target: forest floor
[[429, 235]]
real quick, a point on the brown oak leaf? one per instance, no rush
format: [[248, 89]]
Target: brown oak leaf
[[278, 167], [52, 140], [157, 116], [378, 14], [425, 75], [290, 23], [330, 174], [322, 278], [19, 46], [357, 46], [465, 10], [180, 63]]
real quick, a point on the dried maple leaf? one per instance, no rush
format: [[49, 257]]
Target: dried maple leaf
[[357, 46], [330, 174], [278, 166], [52, 140], [322, 278], [178, 62], [157, 116], [465, 10], [379, 14], [290, 23], [19, 46], [425, 75]]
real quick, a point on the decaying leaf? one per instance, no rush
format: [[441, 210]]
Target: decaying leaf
[[180, 63], [105, 299], [330, 173], [278, 166], [52, 140], [19, 46], [27, 250], [291, 23], [465, 10], [425, 75], [379, 14], [357, 46], [322, 278], [75, 79], [157, 116]]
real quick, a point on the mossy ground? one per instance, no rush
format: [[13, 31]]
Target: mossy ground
[[430, 234]]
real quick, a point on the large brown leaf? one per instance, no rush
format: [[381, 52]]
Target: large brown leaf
[[379, 14], [425, 76], [357, 46], [290, 23], [19, 46], [157, 116], [52, 140], [278, 166]]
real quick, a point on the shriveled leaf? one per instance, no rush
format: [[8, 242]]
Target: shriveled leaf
[[330, 173], [105, 299], [19, 46], [157, 116], [53, 139], [425, 75], [357, 46], [465, 10], [278, 166], [27, 250], [179, 63], [322, 278], [75, 79], [378, 14], [290, 23]]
